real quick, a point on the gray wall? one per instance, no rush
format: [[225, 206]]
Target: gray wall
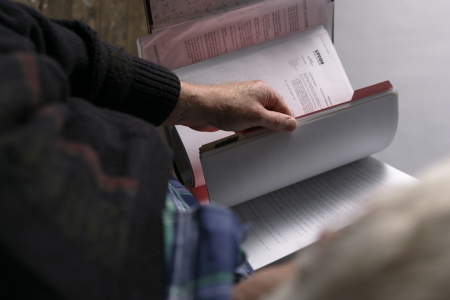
[[408, 43]]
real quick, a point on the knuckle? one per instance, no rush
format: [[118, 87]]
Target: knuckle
[[259, 84], [276, 122]]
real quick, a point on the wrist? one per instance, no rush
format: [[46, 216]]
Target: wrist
[[191, 105]]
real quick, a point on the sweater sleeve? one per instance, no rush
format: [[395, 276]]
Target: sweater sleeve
[[96, 71], [82, 187]]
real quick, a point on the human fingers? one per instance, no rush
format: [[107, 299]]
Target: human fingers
[[275, 102], [277, 121]]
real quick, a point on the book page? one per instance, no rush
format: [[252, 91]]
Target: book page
[[289, 219], [215, 35]]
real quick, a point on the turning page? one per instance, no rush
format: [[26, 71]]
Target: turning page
[[252, 167]]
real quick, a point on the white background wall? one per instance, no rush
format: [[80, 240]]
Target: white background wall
[[408, 43]]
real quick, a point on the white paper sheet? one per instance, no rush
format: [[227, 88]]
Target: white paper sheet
[[292, 218]]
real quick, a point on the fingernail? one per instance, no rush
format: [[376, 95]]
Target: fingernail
[[291, 124]]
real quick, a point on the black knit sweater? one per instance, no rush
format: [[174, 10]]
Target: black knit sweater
[[83, 173]]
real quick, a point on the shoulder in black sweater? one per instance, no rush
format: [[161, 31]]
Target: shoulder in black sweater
[[84, 173]]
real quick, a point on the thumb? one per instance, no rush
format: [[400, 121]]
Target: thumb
[[278, 121]]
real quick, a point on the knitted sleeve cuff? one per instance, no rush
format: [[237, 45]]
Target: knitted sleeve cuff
[[153, 93], [140, 88]]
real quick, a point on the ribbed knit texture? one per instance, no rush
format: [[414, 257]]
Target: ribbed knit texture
[[164, 94], [83, 172]]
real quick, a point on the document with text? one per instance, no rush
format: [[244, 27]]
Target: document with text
[[223, 33], [166, 13], [304, 68], [291, 218]]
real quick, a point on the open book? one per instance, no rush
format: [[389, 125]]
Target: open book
[[288, 185]]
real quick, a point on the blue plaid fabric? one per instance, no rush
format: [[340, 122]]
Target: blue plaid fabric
[[202, 246]]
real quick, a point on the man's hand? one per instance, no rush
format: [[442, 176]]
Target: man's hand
[[232, 107]]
